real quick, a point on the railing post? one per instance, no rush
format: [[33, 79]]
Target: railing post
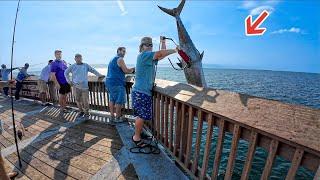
[[217, 156], [250, 156], [198, 142], [207, 147], [233, 152]]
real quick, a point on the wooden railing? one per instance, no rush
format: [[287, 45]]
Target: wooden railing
[[287, 131], [193, 124]]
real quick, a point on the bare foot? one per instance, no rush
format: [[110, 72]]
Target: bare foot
[[13, 174]]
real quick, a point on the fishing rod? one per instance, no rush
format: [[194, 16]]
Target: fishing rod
[[12, 109], [182, 54]]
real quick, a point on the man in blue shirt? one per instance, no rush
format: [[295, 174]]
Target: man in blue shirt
[[116, 82], [22, 75], [5, 76], [144, 81]]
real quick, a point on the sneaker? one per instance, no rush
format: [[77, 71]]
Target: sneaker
[[81, 114], [86, 115], [17, 100], [65, 111]]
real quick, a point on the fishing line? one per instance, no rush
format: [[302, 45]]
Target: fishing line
[[12, 108]]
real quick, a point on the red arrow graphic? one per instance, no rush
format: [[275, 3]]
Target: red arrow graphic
[[252, 29]]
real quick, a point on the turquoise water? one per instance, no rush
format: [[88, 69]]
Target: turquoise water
[[289, 87]]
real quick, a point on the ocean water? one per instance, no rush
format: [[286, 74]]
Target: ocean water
[[288, 87]]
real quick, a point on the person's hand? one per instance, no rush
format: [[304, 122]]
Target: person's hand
[[162, 39], [178, 48], [57, 86]]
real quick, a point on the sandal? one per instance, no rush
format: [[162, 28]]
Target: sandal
[[144, 135], [139, 143]]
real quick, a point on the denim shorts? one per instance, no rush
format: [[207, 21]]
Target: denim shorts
[[142, 105], [117, 94]]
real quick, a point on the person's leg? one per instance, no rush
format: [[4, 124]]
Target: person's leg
[[18, 89], [85, 101], [3, 174], [78, 95], [5, 90], [111, 106], [138, 129], [118, 110], [52, 92]]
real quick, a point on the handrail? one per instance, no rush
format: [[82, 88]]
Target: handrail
[[184, 114]]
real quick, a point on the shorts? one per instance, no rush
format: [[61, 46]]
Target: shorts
[[142, 105], [64, 89], [117, 94], [42, 86]]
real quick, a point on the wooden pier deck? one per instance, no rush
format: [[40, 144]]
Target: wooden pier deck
[[68, 147]]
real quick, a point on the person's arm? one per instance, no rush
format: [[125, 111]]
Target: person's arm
[[66, 74], [123, 66], [95, 72], [159, 55], [53, 76]]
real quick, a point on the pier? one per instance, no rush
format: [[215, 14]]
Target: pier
[[190, 123]]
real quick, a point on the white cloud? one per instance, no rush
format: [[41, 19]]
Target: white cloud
[[291, 30], [122, 9], [256, 7], [258, 10]]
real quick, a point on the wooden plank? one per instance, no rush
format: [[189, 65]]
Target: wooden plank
[[207, 147], [177, 128], [182, 138], [271, 156], [233, 152], [104, 96], [90, 93], [189, 137], [162, 120], [166, 121], [250, 156], [171, 124], [217, 156], [198, 142], [157, 123], [295, 163], [100, 95]]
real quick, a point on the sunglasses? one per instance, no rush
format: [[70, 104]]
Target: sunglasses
[[148, 45]]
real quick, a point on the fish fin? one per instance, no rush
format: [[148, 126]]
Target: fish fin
[[168, 11], [201, 55], [175, 11], [180, 65]]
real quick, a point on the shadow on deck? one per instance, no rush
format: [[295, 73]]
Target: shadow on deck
[[69, 147]]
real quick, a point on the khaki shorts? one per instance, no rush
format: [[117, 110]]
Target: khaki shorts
[[42, 86]]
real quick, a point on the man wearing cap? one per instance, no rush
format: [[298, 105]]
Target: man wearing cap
[[58, 68], [22, 75], [116, 84], [144, 82], [79, 82], [4, 72]]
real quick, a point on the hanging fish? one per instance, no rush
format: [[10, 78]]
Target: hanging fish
[[191, 57]]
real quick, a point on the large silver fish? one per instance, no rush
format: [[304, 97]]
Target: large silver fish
[[194, 73]]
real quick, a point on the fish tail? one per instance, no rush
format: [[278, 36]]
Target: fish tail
[[175, 11]]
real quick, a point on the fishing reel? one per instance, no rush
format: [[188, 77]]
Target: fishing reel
[[185, 58]]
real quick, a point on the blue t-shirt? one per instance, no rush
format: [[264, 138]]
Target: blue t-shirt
[[145, 68], [5, 74], [115, 75], [22, 74], [58, 67]]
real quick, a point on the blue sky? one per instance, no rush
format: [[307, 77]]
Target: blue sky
[[96, 29]]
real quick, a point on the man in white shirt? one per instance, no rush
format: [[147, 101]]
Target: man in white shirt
[[43, 81], [79, 82]]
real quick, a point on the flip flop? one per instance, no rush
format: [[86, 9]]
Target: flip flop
[[13, 174], [139, 143]]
